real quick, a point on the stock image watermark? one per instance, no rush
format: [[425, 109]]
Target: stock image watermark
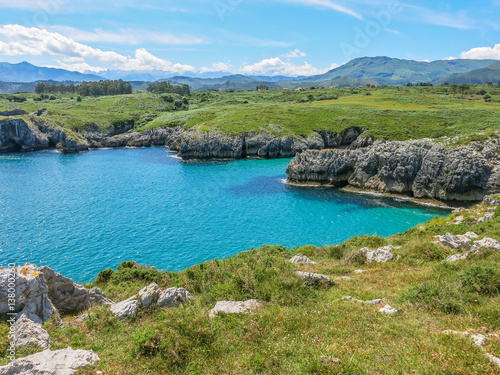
[[11, 304], [363, 37], [223, 7], [46, 10]]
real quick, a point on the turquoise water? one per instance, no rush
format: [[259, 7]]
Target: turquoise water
[[85, 212]]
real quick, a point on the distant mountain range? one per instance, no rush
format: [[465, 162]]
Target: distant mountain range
[[358, 72]]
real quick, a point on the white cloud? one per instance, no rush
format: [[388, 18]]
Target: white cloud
[[482, 53], [449, 58], [294, 54], [16, 40], [328, 4], [126, 36], [276, 66], [216, 67], [459, 20]]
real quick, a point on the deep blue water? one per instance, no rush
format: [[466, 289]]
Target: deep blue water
[[82, 213]]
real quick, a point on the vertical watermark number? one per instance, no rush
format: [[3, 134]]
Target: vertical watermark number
[[11, 303]]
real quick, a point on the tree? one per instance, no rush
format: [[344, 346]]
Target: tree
[[262, 87], [464, 89], [454, 89]]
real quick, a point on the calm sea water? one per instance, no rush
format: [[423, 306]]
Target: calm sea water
[[82, 213]]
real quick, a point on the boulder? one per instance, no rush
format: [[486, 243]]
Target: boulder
[[299, 258], [60, 362], [313, 278], [70, 297], [455, 257], [388, 310], [149, 294], [28, 332], [359, 271], [471, 235], [381, 255], [485, 218], [234, 307], [487, 243], [173, 297], [377, 301], [31, 293], [124, 309]]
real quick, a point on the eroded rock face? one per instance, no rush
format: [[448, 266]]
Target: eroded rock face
[[41, 292], [31, 293], [423, 168], [18, 135], [60, 362], [70, 297], [149, 294], [234, 307]]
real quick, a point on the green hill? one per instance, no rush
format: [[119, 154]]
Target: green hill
[[389, 71], [491, 73]]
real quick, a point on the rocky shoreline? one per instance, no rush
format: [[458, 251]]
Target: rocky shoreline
[[37, 133], [420, 169]]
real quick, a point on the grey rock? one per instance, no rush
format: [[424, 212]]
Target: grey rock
[[359, 271], [60, 362], [485, 218], [31, 293], [456, 257], [70, 297], [19, 135], [149, 294], [381, 255], [479, 340], [458, 242], [471, 235], [82, 318], [28, 332], [124, 309], [313, 278], [487, 243], [173, 297], [377, 301], [14, 112], [493, 359], [234, 307], [423, 168], [299, 258], [489, 200], [330, 359]]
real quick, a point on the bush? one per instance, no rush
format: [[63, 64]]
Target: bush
[[481, 279], [104, 276], [79, 99]]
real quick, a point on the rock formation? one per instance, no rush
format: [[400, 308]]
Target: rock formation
[[60, 362], [423, 169], [234, 307], [41, 292]]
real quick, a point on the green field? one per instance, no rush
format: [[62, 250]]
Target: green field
[[394, 113]]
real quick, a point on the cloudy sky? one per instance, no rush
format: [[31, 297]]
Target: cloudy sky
[[289, 37]]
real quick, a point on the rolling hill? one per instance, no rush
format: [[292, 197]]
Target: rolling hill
[[26, 72], [491, 73]]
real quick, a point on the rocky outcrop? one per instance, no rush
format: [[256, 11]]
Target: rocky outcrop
[[124, 309], [27, 332], [234, 307], [314, 278], [299, 258], [423, 169], [173, 297], [40, 292], [18, 135], [14, 112], [60, 362]]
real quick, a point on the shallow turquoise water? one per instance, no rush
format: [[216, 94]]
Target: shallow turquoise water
[[82, 213]]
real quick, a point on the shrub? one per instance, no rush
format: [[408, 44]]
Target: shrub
[[481, 279], [104, 276]]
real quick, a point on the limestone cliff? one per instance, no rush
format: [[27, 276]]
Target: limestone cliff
[[423, 169]]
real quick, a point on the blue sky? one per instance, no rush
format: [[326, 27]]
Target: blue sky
[[290, 37]]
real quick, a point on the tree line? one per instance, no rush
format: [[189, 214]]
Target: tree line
[[167, 88], [101, 88]]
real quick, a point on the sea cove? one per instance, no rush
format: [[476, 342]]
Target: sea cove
[[81, 213]]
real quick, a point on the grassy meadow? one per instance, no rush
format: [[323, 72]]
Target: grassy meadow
[[394, 113]]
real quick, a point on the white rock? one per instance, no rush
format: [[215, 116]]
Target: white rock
[[479, 340], [364, 250], [82, 318], [299, 258], [28, 332], [329, 358], [377, 301], [173, 297], [234, 307], [388, 310], [455, 257], [493, 359], [343, 278], [60, 362], [488, 243], [149, 294], [312, 278], [381, 255], [459, 220], [471, 235], [485, 218], [349, 298], [126, 308], [359, 271]]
